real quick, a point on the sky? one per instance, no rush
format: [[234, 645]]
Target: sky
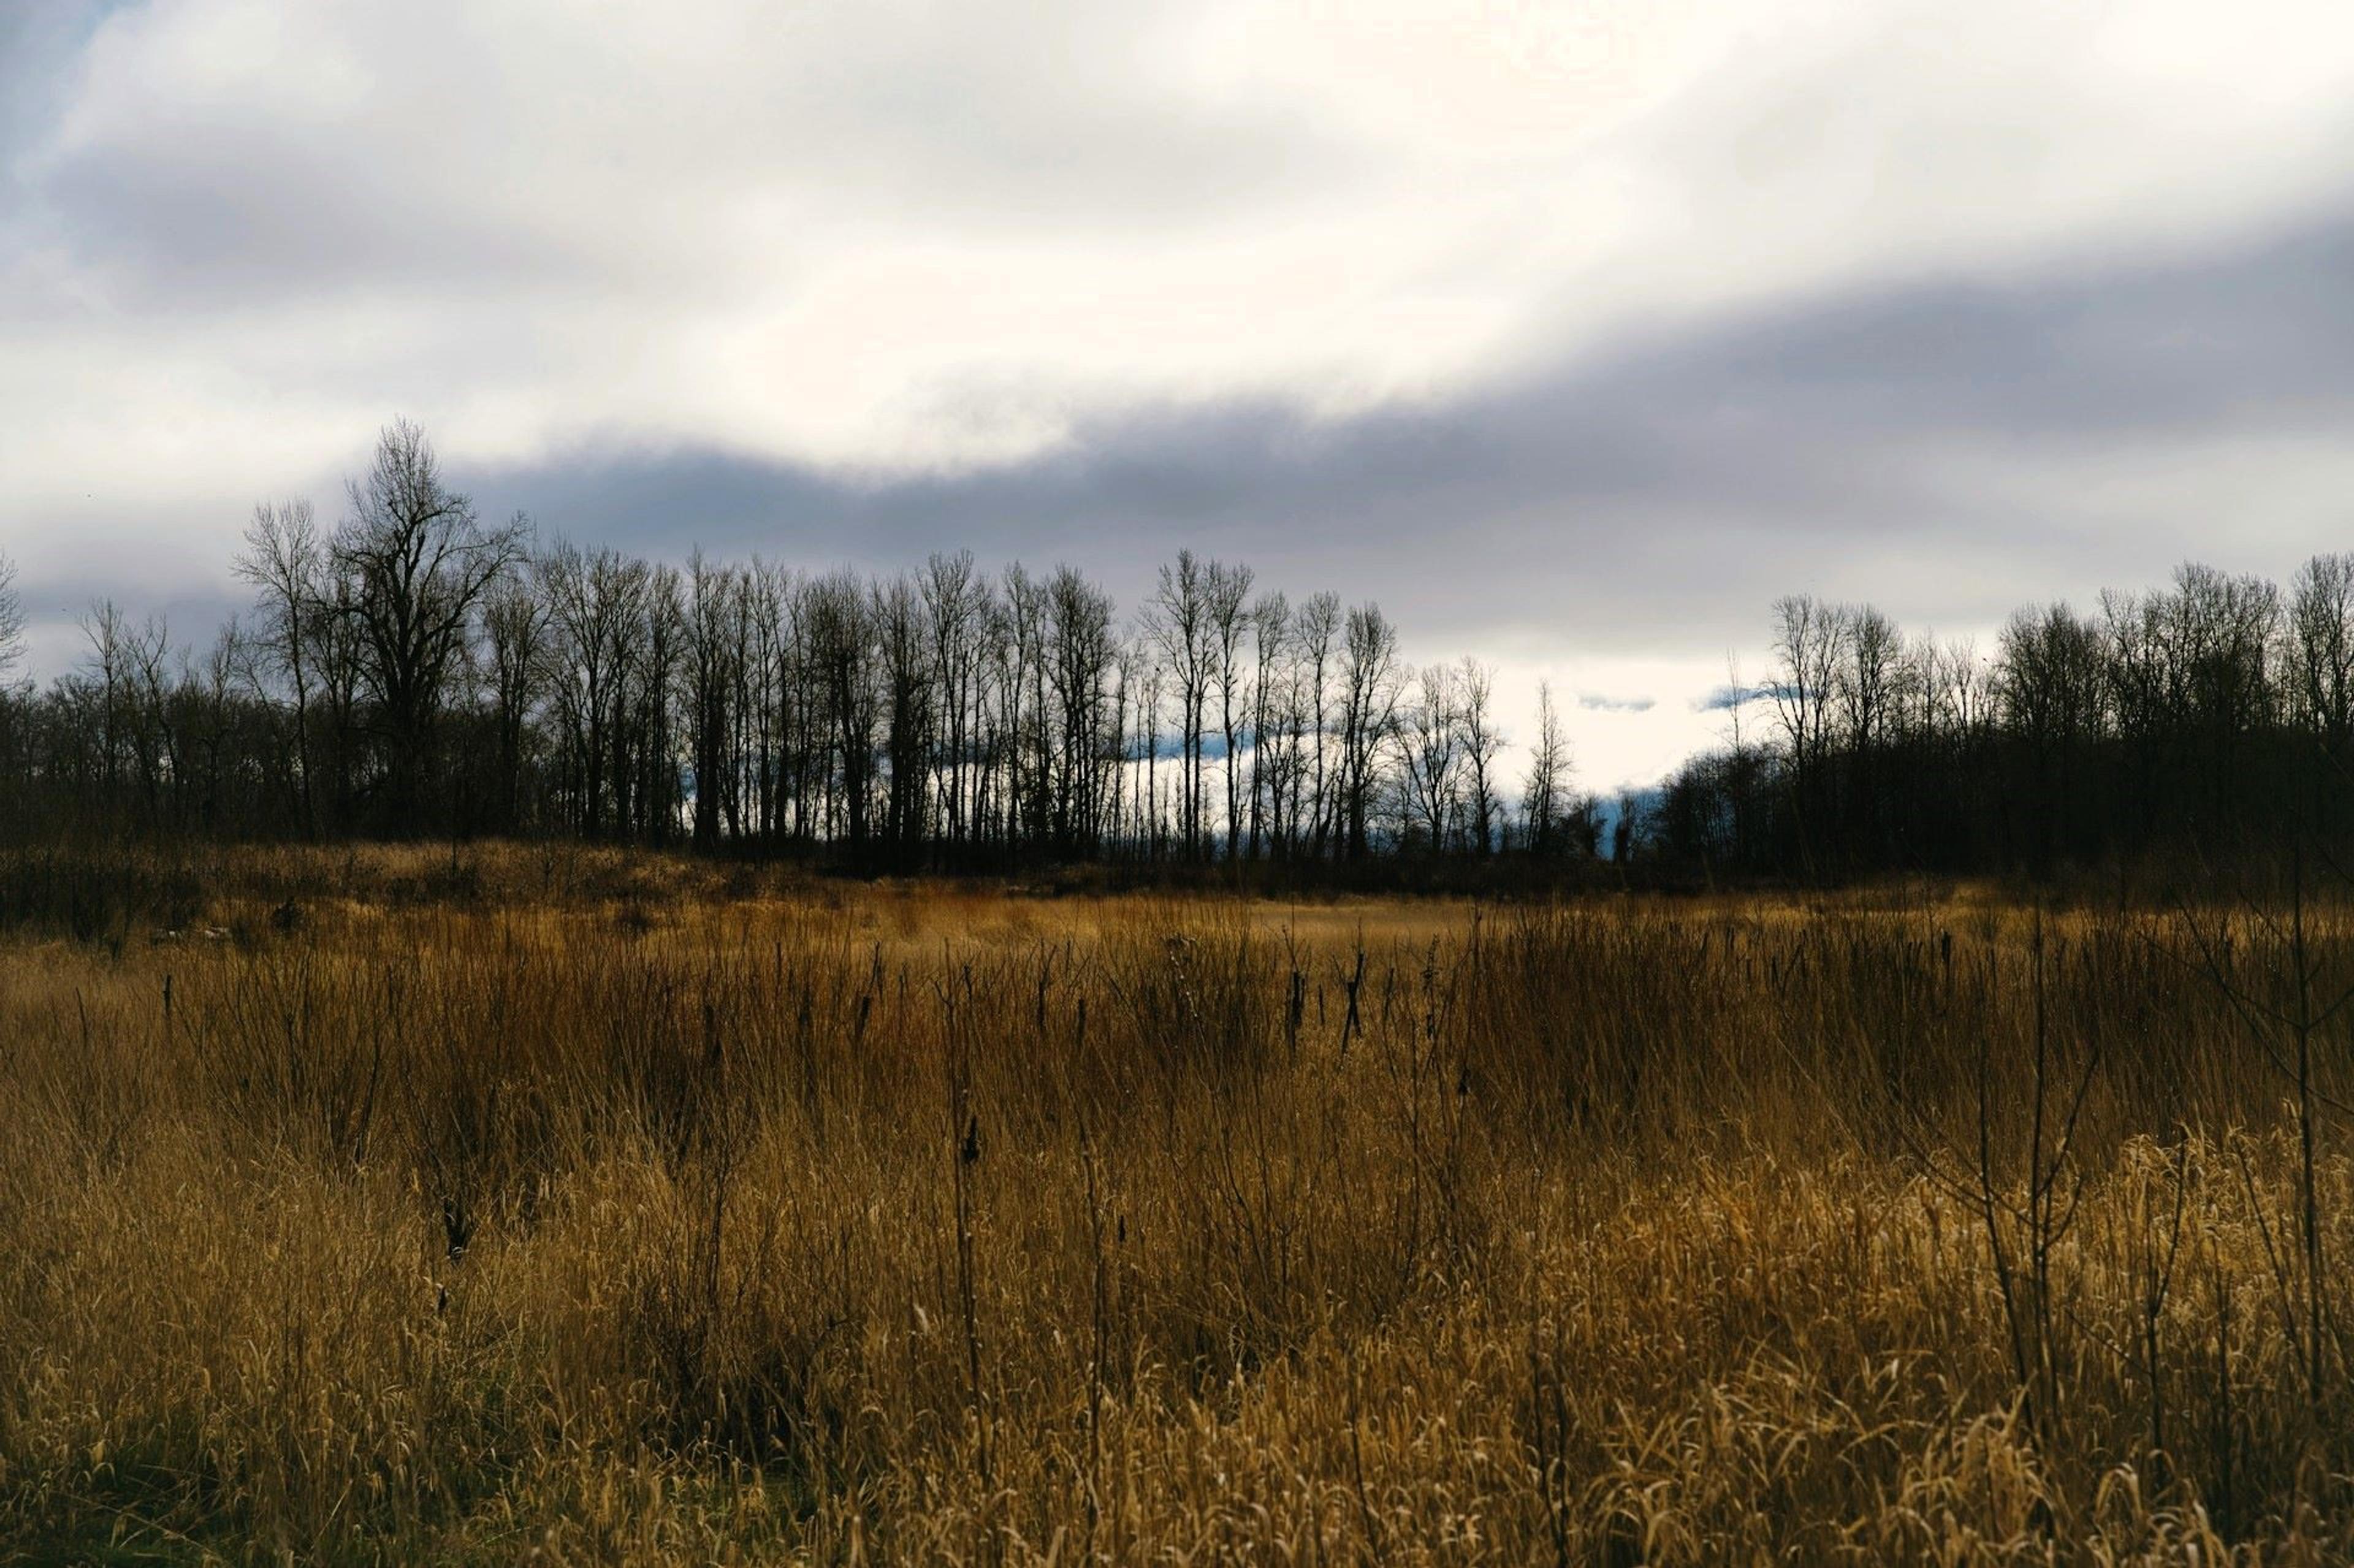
[[1572, 335]]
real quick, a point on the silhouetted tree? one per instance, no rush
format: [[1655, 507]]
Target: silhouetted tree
[[285, 561], [1178, 620], [1370, 689], [1475, 687], [1544, 793], [417, 671], [419, 563], [12, 620]]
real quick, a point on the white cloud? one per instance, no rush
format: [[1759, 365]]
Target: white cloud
[[807, 231]]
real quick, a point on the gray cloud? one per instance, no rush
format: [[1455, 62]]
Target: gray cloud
[[1595, 701], [1726, 698], [461, 160], [1649, 497]]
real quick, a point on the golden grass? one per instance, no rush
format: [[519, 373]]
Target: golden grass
[[618, 1213]]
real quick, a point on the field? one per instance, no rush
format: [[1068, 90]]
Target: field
[[414, 1207]]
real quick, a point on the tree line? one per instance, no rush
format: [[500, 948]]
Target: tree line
[[416, 669], [2198, 719]]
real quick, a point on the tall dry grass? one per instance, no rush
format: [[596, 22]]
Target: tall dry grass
[[938, 1226]]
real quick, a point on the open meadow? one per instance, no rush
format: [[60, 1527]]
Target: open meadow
[[427, 1206]]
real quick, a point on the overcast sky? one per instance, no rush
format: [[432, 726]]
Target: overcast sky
[[1572, 333]]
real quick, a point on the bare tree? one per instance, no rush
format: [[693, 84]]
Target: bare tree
[[1431, 747], [775, 701], [1019, 670], [130, 662], [2049, 680], [1963, 689], [1370, 690], [1229, 594], [714, 653], [956, 608], [594, 602], [1867, 690], [1315, 634], [204, 707], [1270, 622], [653, 758], [842, 651], [420, 563], [1807, 642], [109, 665], [1863, 685], [1177, 621], [515, 629], [1152, 818], [1081, 656], [12, 620], [2321, 652], [1544, 796], [285, 561], [904, 642], [1475, 687], [15, 717]]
